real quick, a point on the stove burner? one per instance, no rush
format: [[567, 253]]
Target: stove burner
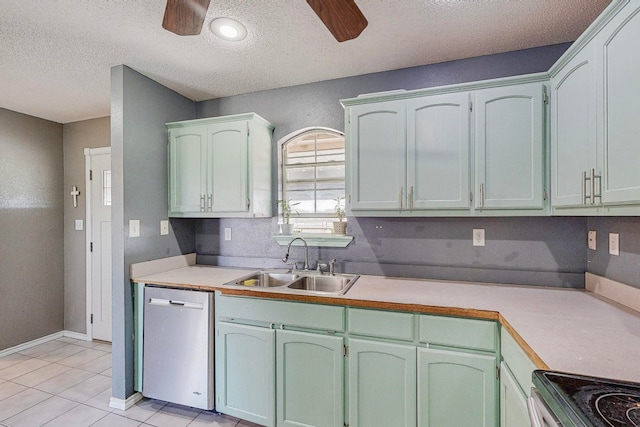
[[619, 409], [604, 403]]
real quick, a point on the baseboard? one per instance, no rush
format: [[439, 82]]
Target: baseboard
[[76, 335], [20, 347], [124, 404], [30, 344]]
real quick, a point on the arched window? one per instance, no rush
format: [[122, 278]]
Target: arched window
[[313, 177]]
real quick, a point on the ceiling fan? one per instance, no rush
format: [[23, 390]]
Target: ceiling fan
[[343, 18]]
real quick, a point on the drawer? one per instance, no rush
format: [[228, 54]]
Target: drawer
[[381, 324], [301, 315], [519, 363], [457, 332]]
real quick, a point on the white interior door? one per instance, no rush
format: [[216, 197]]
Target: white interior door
[[99, 162]]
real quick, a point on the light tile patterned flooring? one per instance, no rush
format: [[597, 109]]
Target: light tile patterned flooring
[[67, 383]]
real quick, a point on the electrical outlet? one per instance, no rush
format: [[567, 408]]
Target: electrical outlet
[[134, 228], [164, 227], [591, 239], [478, 237], [614, 244], [227, 234]]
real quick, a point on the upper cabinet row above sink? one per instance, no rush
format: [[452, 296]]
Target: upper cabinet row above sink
[[220, 167]]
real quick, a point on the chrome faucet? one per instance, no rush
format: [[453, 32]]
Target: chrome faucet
[[306, 254]]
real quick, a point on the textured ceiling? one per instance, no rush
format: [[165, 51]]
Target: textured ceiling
[[55, 55]]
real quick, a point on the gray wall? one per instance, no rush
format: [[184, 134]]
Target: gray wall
[[76, 137], [519, 250], [140, 108], [31, 221], [624, 268]]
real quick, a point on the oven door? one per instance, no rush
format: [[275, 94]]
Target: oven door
[[539, 413]]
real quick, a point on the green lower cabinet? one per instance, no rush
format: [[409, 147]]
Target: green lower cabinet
[[513, 402], [456, 389], [309, 379], [382, 384], [245, 372]]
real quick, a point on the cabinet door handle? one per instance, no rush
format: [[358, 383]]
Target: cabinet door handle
[[410, 201], [584, 187], [202, 207], [209, 202], [481, 196], [401, 192], [592, 185]]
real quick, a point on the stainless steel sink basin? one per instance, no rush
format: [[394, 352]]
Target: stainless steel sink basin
[[266, 279], [338, 284]]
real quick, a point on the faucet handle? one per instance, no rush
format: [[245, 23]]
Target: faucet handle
[[320, 266], [331, 267]]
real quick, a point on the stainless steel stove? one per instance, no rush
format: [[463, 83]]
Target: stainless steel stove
[[581, 401]]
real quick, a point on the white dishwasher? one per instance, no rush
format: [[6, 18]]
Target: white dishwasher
[[178, 361]]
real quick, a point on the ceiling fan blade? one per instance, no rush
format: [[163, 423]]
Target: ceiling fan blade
[[185, 17], [343, 18]]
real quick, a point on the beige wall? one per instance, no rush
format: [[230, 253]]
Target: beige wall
[[78, 136], [31, 221]]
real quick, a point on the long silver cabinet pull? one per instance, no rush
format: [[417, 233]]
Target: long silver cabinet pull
[[410, 198], [401, 193], [209, 202], [482, 195], [202, 203], [584, 187], [592, 185]]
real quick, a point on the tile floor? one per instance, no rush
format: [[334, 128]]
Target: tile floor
[[67, 383]]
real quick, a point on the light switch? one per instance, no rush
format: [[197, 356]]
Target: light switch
[[478, 237], [134, 228], [79, 224], [164, 227], [614, 244]]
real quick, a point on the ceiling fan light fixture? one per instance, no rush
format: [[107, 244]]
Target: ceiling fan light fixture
[[228, 29]]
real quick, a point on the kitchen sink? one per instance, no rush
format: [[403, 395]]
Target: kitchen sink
[[267, 279], [338, 284]]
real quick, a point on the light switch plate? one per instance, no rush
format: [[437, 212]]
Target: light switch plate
[[478, 237], [227, 233], [614, 244], [134, 228], [79, 225], [591, 239], [164, 227]]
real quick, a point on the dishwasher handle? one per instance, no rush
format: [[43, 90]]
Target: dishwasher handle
[[161, 302]]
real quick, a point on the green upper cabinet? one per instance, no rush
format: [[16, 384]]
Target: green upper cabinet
[[377, 152], [509, 136], [573, 132], [456, 389], [309, 380], [410, 153], [438, 142], [220, 167], [618, 89]]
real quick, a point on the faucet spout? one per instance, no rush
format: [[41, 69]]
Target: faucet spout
[[306, 252]]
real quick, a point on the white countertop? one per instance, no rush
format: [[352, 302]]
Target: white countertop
[[570, 330]]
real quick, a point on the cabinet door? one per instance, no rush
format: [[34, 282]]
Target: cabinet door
[[227, 156], [618, 68], [456, 389], [513, 402], [187, 169], [573, 131], [310, 385], [438, 151], [382, 384], [510, 147], [245, 372], [377, 156]]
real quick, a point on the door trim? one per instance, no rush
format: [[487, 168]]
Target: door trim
[[88, 152]]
